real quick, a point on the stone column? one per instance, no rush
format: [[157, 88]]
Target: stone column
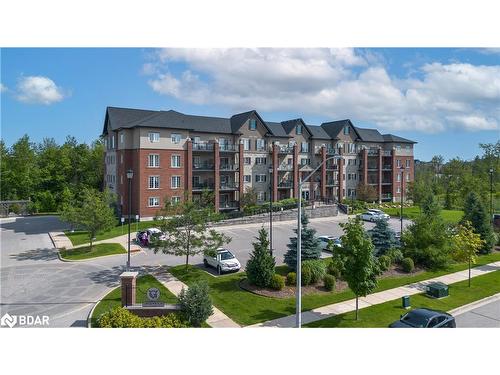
[[189, 169], [241, 172], [128, 281], [216, 176], [341, 179], [323, 172], [275, 153], [380, 175], [296, 171]]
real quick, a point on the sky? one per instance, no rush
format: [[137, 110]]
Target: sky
[[447, 100]]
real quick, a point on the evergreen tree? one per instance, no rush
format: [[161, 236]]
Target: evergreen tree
[[196, 303], [383, 237], [430, 206], [310, 245], [476, 213], [260, 266]]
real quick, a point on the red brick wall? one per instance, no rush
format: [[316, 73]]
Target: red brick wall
[[396, 170]]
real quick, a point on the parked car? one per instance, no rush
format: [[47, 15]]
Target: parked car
[[380, 213], [144, 237], [324, 240], [369, 216], [224, 261], [425, 318]]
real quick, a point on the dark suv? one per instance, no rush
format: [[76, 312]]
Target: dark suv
[[425, 318]]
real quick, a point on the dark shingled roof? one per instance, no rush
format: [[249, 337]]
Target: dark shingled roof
[[395, 138], [333, 128], [289, 125], [369, 135], [277, 130], [317, 132]]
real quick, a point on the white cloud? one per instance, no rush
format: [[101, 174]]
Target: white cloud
[[38, 90], [3, 88], [337, 83]]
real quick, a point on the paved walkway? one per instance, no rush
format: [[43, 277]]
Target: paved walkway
[[377, 298], [217, 320]]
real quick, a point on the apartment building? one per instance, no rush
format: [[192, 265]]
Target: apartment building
[[173, 154]]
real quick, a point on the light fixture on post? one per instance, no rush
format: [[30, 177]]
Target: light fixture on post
[[491, 195], [298, 292], [130, 175], [271, 187], [401, 197]]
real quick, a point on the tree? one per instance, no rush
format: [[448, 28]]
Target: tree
[[430, 206], [383, 237], [310, 246], [185, 226], [196, 303], [260, 266], [249, 198], [466, 245], [361, 267], [477, 214], [94, 213], [366, 192]]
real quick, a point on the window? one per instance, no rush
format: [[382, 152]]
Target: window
[[153, 160], [175, 199], [252, 124], [197, 140], [398, 162], [247, 160], [260, 160], [408, 147], [175, 161], [398, 147], [398, 190], [260, 144], [246, 144], [346, 129], [407, 177], [224, 179], [407, 163], [261, 196], [153, 202], [247, 178], [304, 147], [176, 138], [175, 182], [154, 182], [305, 161], [154, 137], [121, 159], [106, 143], [121, 179], [260, 178], [398, 178], [112, 141], [298, 129], [122, 138], [351, 147]]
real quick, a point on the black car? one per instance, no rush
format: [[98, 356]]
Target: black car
[[425, 318]]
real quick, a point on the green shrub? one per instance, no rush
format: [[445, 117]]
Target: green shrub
[[291, 279], [384, 262], [317, 268], [305, 276], [395, 254], [120, 317], [277, 282], [15, 208], [333, 269], [196, 303], [407, 265], [329, 282]]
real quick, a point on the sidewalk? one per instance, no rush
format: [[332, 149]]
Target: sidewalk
[[377, 298], [217, 320]]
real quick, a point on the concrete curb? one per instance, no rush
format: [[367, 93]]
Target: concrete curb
[[89, 317], [52, 240], [471, 306], [93, 258]]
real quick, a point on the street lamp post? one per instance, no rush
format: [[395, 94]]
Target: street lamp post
[[298, 292], [130, 175], [271, 212], [401, 196], [491, 195]]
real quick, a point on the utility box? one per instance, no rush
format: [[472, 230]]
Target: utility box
[[405, 302], [437, 290]]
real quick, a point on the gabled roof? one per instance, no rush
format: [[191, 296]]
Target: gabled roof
[[289, 125], [239, 119], [317, 132], [369, 135], [395, 138], [333, 128], [277, 130]]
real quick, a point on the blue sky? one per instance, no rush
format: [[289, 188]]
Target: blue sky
[[445, 99]]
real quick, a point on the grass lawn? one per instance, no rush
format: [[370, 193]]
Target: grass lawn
[[81, 237], [113, 298], [98, 250], [451, 216], [384, 314], [247, 308]]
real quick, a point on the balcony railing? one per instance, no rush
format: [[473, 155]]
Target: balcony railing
[[331, 182], [285, 184], [386, 153], [203, 146], [386, 196], [331, 166], [285, 167], [387, 167], [332, 151], [230, 205], [203, 186], [285, 150], [203, 166], [228, 147], [386, 182], [372, 152], [228, 186], [229, 167]]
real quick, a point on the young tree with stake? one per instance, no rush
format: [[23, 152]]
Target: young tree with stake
[[466, 245]]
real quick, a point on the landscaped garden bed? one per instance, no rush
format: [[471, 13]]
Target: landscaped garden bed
[[97, 250]]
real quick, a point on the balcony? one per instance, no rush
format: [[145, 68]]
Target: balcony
[[372, 152], [386, 182], [228, 186], [285, 150], [285, 184], [230, 205], [386, 153], [229, 167], [332, 151], [331, 183], [203, 146], [228, 147], [372, 167], [200, 186], [331, 167], [386, 196], [285, 167], [387, 167], [203, 167]]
